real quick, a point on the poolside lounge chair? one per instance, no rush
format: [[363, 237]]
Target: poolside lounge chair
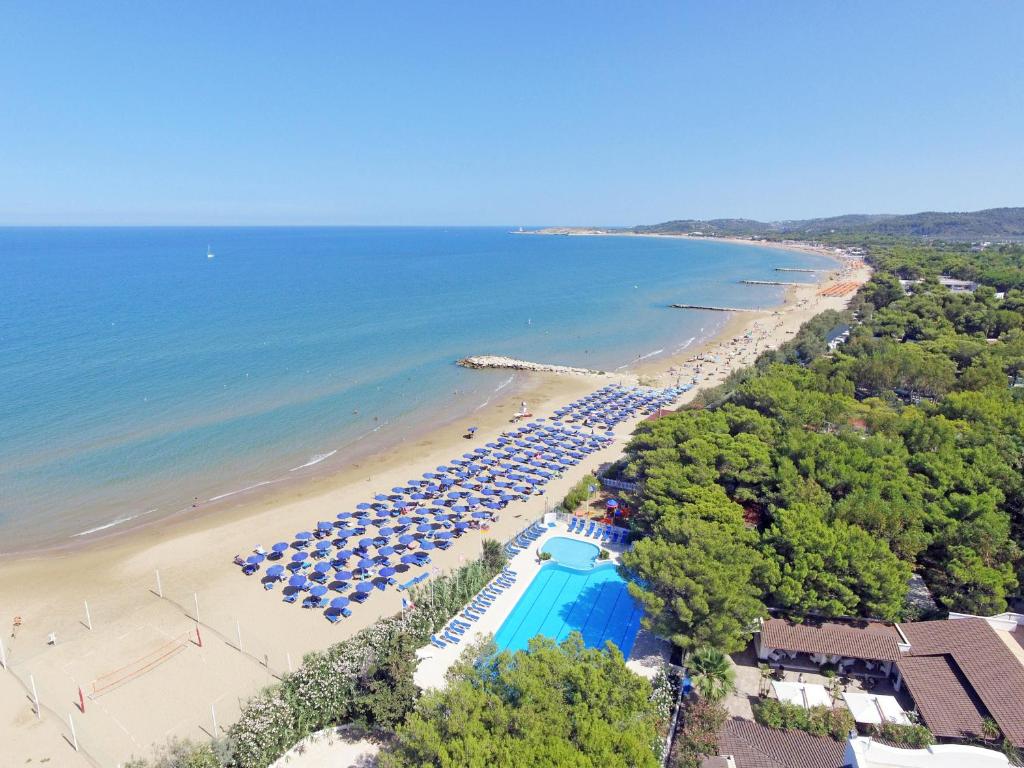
[[290, 597], [332, 615], [450, 637], [437, 643]]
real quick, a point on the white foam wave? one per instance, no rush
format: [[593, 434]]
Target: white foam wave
[[112, 523], [240, 490], [315, 460], [497, 389], [687, 343], [650, 354]]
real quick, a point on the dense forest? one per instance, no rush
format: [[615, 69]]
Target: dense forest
[[994, 224], [817, 483]]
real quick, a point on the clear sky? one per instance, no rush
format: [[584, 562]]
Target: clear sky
[[373, 112]]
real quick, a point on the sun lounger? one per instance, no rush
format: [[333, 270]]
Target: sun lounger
[[450, 638], [437, 643], [290, 597], [332, 615]]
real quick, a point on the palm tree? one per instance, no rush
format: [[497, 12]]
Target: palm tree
[[712, 674]]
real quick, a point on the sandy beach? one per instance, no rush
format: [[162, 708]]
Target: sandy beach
[[173, 686]]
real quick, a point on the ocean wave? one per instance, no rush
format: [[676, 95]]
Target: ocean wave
[[112, 523], [687, 343], [497, 389], [315, 460], [240, 490]]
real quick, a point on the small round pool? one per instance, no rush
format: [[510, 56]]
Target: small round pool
[[572, 552]]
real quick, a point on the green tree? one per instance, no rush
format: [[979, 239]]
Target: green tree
[[552, 705]]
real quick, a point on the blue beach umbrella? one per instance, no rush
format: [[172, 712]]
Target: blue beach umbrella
[[425, 544], [364, 543], [339, 602], [275, 571], [323, 525], [303, 536], [299, 557], [255, 559], [323, 546], [281, 546], [318, 590], [443, 535], [386, 531], [366, 563], [386, 551], [364, 586], [298, 580], [343, 575], [461, 525], [425, 528], [406, 539], [388, 572], [480, 515], [322, 567]]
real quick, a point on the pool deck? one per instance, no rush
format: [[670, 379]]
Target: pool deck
[[646, 658]]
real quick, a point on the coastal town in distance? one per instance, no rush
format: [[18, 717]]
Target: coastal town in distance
[[529, 386]]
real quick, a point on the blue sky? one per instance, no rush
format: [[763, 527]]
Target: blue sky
[[505, 113]]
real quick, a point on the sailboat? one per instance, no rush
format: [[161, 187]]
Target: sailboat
[[209, 253]]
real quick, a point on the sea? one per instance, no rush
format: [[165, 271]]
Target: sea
[[138, 375]]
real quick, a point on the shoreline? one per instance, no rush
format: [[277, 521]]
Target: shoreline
[[251, 636]]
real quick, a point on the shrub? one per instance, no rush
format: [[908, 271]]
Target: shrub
[[545, 555], [579, 492], [603, 554], [819, 721], [697, 733], [911, 736]]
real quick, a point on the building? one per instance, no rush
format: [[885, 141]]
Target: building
[[864, 752], [837, 336], [959, 671], [746, 744]]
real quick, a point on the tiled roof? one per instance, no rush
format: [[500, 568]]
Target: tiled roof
[[756, 746], [945, 699], [972, 648], [861, 640]]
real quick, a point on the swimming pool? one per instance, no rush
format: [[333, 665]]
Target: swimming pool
[[571, 552], [562, 599]]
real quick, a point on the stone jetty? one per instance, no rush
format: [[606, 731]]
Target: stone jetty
[[495, 361]]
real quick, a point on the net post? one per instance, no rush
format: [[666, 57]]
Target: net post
[[35, 695], [74, 736]]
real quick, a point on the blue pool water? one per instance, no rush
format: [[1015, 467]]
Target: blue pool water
[[561, 599], [572, 552]]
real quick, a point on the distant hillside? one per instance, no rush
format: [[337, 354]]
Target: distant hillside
[[996, 224]]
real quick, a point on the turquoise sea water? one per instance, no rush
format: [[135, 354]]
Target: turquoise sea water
[[562, 599], [138, 374]]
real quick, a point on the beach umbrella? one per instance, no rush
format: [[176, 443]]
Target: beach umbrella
[[398, 490], [364, 586], [426, 527], [343, 575], [281, 546], [386, 531], [443, 535], [275, 571], [298, 557], [318, 591], [388, 572], [366, 563], [255, 559], [442, 468], [339, 602], [408, 559], [480, 515], [303, 536], [344, 515], [461, 525], [406, 539], [364, 543], [364, 521], [386, 551], [612, 504], [323, 546], [322, 567], [298, 580], [424, 544], [492, 505], [323, 525]]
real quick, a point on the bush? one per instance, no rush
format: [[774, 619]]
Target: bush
[[697, 733], [910, 736], [579, 492], [544, 555], [603, 554], [819, 721]]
